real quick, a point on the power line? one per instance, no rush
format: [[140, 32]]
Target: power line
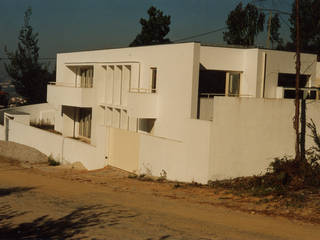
[[274, 10], [284, 21], [44, 58], [200, 34]]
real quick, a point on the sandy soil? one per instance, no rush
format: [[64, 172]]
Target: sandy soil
[[42, 202]]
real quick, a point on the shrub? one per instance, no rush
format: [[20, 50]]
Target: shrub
[[52, 161]]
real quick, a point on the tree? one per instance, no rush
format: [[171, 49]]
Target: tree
[[274, 31], [244, 24], [154, 29], [30, 77], [309, 26]]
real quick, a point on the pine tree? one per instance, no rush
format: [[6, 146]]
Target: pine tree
[[154, 29], [30, 77], [244, 24]]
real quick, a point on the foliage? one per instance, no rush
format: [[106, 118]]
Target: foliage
[[244, 24], [42, 124], [274, 31], [52, 161], [154, 29], [309, 26], [4, 98], [29, 76]]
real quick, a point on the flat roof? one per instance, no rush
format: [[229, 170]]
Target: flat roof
[[201, 44]]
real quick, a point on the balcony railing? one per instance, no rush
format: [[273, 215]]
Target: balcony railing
[[212, 95], [143, 90], [70, 95], [73, 85]]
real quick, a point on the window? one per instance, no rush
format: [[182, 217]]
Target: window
[[233, 84], [146, 124], [86, 77], [153, 80], [288, 83], [85, 116], [212, 83]]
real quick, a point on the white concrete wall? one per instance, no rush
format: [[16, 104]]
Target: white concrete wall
[[21, 118], [247, 134], [62, 149], [36, 112], [206, 108], [44, 141], [177, 73], [78, 97], [185, 160], [317, 82], [143, 105], [219, 58], [76, 151], [284, 62], [251, 63], [2, 132]]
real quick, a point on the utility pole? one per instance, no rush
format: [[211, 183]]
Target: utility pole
[[297, 101]]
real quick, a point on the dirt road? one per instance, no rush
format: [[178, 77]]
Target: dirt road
[[54, 203]]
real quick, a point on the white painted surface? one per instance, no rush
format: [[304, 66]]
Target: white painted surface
[[20, 118], [247, 134], [46, 142], [317, 83], [78, 97], [35, 111], [284, 62], [251, 63], [206, 109], [76, 151], [185, 160], [143, 105], [2, 132], [62, 149]]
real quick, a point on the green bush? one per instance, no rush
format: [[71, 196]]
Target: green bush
[[52, 161]]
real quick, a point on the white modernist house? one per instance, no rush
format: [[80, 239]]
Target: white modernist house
[[190, 112]]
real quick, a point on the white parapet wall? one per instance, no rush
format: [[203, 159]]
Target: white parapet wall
[[38, 112]]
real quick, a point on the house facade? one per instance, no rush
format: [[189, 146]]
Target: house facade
[[191, 112]]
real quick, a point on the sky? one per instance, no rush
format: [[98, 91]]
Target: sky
[[74, 25]]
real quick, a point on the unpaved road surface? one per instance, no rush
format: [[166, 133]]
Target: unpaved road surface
[[40, 202]]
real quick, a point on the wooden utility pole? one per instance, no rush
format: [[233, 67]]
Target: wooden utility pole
[[297, 101]]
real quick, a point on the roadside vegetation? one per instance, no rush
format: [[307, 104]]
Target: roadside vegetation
[[52, 161]]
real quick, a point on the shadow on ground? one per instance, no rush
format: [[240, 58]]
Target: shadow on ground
[[8, 191], [70, 226], [47, 228]]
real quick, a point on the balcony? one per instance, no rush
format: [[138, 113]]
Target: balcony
[[143, 104], [70, 94]]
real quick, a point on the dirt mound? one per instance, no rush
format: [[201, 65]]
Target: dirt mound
[[22, 153]]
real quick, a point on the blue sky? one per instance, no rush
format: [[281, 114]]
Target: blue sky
[[72, 25]]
